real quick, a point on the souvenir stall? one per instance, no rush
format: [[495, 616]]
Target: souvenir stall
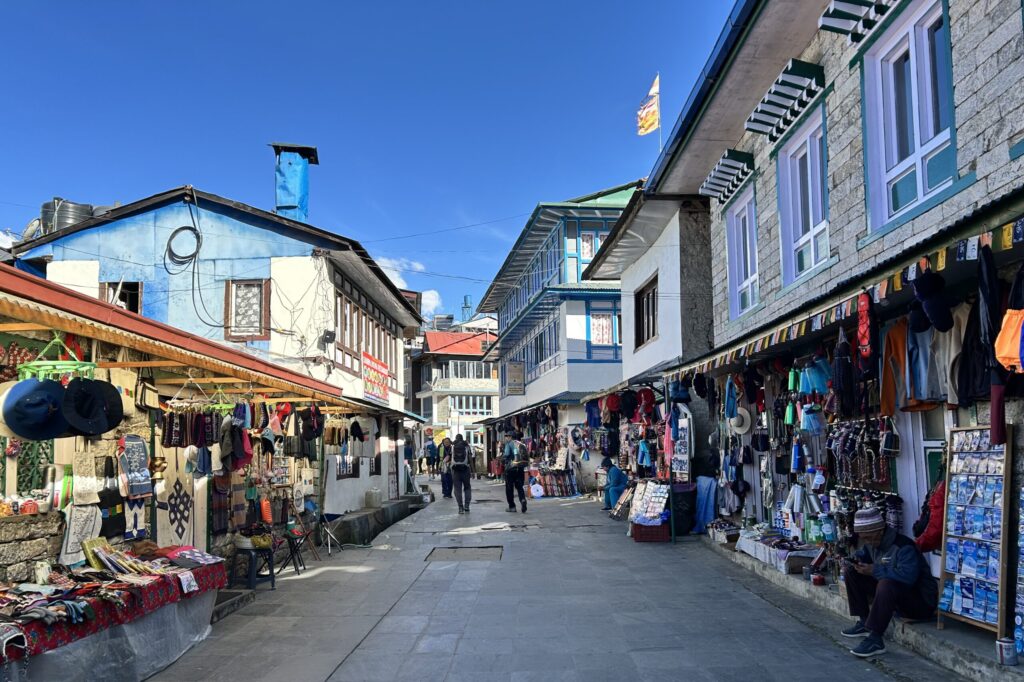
[[119, 479], [646, 436], [894, 396], [557, 450]]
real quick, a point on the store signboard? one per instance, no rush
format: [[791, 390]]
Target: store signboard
[[515, 378], [376, 377]]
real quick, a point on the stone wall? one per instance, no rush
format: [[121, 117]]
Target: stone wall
[[988, 63], [27, 539]]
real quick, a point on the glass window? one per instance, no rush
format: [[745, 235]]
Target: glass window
[[645, 312], [601, 329], [908, 109], [249, 310], [587, 245], [741, 226], [803, 201]]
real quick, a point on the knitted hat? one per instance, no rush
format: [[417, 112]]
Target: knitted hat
[[868, 520]]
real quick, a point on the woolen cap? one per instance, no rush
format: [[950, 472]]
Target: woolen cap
[[868, 520]]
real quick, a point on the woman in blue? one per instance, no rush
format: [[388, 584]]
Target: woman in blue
[[615, 483]]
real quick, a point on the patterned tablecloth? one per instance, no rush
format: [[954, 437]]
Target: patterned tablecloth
[[149, 598]]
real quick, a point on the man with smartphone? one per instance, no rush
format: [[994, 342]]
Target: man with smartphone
[[888, 568]]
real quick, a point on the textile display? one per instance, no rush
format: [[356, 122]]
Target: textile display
[[134, 519], [84, 523], [83, 464], [145, 599], [181, 502]]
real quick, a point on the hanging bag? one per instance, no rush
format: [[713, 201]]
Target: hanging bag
[[1008, 342], [889, 439]]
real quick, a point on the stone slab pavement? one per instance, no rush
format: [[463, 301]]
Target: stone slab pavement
[[571, 598]]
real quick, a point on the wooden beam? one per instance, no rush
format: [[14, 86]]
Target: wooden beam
[[140, 363], [204, 380], [23, 327], [20, 309]]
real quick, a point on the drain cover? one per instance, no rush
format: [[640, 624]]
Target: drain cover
[[491, 553]]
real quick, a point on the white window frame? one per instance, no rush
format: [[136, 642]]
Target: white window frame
[[908, 34], [808, 142], [741, 221]]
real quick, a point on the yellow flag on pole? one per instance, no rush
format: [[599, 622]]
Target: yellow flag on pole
[[648, 117]]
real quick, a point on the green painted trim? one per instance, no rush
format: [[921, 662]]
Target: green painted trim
[[806, 277], [921, 208], [799, 122], [882, 28], [1017, 150], [864, 147]]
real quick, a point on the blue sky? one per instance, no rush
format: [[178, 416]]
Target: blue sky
[[427, 115]]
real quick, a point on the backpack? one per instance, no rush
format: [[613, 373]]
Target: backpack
[[460, 455], [522, 456]]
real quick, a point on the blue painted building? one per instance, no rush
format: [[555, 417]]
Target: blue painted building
[[268, 281], [560, 334]]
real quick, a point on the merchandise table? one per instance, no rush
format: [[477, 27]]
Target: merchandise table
[[42, 637], [781, 559]]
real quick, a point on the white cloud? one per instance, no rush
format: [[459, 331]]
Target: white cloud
[[431, 302], [395, 268]]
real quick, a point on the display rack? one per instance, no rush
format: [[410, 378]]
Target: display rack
[[974, 535]]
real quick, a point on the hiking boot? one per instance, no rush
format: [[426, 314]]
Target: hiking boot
[[462, 510], [466, 509], [524, 506], [871, 646], [511, 510], [856, 630]]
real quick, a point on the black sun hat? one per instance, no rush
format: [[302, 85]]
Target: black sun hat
[[92, 407]]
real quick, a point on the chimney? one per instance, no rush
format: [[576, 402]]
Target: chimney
[[291, 179]]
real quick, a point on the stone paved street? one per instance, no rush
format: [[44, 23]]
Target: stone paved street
[[571, 598]]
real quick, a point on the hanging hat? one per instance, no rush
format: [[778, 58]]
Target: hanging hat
[[919, 322], [4, 388], [930, 290], [283, 410], [92, 407], [267, 441], [867, 520], [700, 385], [32, 409], [740, 424]]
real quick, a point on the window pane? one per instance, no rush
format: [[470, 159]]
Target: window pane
[[247, 308], [941, 86], [804, 192], [601, 330], [903, 116], [820, 246], [744, 247], [823, 183], [586, 246], [903, 192], [939, 167], [803, 258]]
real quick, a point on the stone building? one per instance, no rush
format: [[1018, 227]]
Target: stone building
[[845, 147]]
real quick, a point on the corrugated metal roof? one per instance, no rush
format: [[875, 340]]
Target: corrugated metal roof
[[456, 343]]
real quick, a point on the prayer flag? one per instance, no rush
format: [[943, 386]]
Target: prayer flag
[[648, 117]]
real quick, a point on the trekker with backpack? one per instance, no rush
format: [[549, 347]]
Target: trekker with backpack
[[462, 469], [444, 454], [515, 458]]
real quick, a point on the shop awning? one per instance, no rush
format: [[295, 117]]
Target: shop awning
[[381, 408], [33, 300], [999, 224]]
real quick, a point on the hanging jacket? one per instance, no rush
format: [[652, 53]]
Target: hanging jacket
[[931, 538], [973, 380]]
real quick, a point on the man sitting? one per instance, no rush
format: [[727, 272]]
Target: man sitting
[[615, 483], [889, 568]]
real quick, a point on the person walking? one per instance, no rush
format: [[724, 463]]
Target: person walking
[[462, 471], [514, 457], [444, 454], [431, 452]]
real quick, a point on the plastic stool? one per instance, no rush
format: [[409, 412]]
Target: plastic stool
[[267, 555]]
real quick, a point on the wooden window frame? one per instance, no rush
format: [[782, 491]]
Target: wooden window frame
[[229, 288], [644, 332]]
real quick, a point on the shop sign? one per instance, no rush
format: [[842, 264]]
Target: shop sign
[[376, 377], [515, 378]]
